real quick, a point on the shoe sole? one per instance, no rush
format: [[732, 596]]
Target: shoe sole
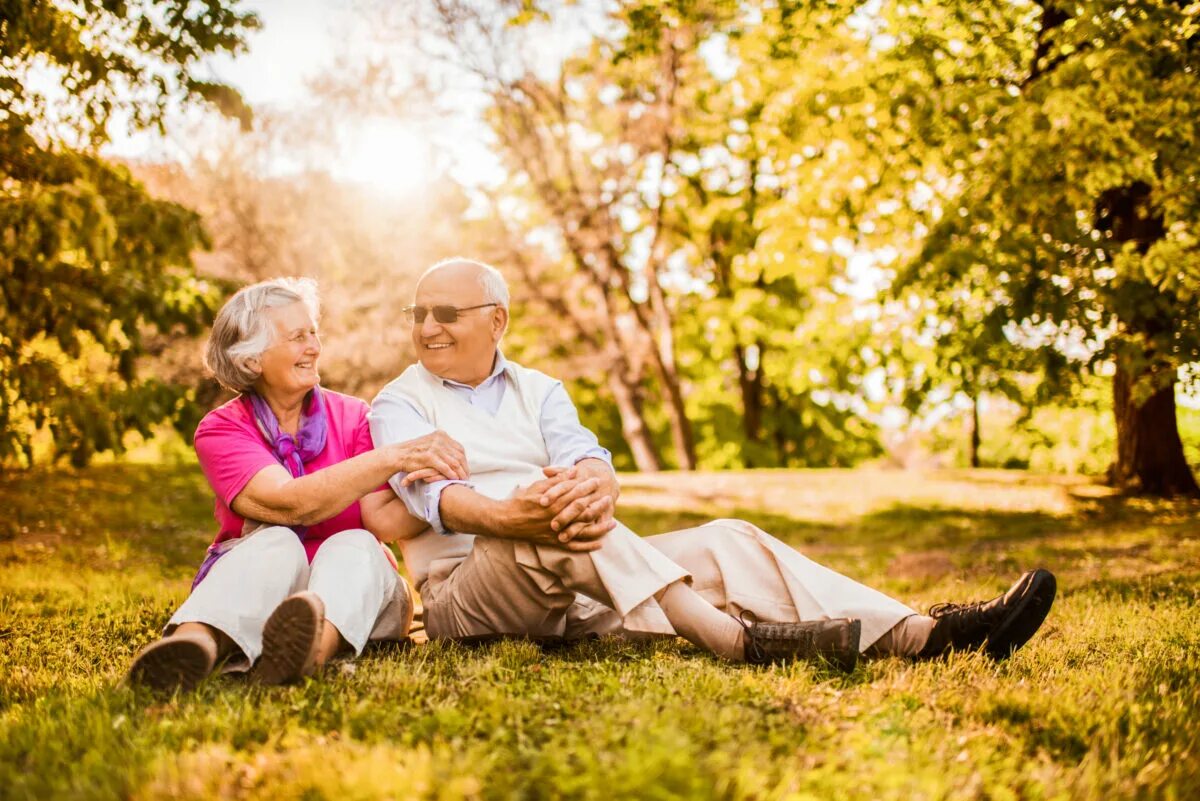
[[846, 654], [1026, 619], [171, 664], [291, 637]]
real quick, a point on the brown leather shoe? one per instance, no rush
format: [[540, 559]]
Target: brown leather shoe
[[291, 638], [1000, 626], [834, 641], [180, 661]]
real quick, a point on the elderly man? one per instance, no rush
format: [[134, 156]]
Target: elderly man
[[528, 545]]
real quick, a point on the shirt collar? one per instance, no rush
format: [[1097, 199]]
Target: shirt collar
[[501, 365]]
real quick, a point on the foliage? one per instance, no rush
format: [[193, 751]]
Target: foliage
[[1049, 438], [91, 264], [1057, 147], [650, 210], [1100, 704]]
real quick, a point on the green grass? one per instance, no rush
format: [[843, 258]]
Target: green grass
[[1104, 703]]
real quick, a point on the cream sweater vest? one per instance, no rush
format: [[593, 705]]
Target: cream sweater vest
[[504, 451]]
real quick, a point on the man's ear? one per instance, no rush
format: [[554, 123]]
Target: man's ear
[[499, 322]]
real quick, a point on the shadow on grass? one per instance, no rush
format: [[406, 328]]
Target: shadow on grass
[[899, 526], [1171, 585], [160, 516], [108, 516]]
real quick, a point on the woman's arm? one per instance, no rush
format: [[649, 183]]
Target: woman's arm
[[385, 515], [274, 496]]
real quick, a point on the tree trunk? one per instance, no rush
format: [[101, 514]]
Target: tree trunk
[[750, 383], [975, 435], [1149, 451], [633, 424], [681, 426]]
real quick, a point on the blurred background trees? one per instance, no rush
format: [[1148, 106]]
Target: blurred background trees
[[747, 234], [91, 264]]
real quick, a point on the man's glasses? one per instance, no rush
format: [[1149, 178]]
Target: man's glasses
[[443, 314]]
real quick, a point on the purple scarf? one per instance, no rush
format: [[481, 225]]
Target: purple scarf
[[291, 451]]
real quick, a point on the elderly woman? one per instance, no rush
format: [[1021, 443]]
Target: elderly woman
[[292, 577]]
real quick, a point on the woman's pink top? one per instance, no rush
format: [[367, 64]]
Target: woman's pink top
[[232, 451]]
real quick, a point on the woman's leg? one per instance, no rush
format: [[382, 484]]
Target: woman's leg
[[225, 614], [363, 595]]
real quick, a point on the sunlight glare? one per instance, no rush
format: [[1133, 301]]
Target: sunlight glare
[[386, 155]]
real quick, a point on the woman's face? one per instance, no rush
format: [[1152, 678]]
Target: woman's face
[[289, 364]]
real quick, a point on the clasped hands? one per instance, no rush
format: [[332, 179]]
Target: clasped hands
[[571, 508]]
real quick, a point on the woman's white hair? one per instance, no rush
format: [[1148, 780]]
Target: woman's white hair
[[495, 288], [242, 331]]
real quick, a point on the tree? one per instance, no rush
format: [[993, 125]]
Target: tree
[[91, 264], [1065, 139], [364, 250], [641, 181]]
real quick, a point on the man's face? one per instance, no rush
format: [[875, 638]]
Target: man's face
[[464, 350]]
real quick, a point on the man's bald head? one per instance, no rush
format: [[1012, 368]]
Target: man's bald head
[[495, 288]]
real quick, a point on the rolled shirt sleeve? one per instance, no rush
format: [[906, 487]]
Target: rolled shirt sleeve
[[396, 420], [567, 440]]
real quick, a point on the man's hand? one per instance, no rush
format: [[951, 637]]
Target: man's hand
[[530, 516], [582, 496]]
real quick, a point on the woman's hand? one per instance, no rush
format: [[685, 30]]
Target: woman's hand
[[435, 456]]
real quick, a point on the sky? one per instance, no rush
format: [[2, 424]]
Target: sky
[[296, 43], [299, 41]]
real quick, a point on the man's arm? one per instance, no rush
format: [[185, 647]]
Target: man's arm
[[524, 517]]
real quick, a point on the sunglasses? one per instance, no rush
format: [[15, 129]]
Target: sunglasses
[[443, 314]]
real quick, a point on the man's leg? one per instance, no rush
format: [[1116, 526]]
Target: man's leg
[[517, 588], [589, 618], [907, 638], [739, 568], [509, 587], [489, 593]]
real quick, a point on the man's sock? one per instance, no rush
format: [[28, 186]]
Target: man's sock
[[701, 623], [906, 638]]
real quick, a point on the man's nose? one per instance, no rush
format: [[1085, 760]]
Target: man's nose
[[429, 326]]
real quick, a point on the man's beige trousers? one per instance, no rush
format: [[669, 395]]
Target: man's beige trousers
[[509, 587]]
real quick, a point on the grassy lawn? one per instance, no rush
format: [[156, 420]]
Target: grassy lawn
[[1104, 703]]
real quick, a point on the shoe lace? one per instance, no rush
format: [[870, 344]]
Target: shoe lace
[[749, 622], [944, 609]]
